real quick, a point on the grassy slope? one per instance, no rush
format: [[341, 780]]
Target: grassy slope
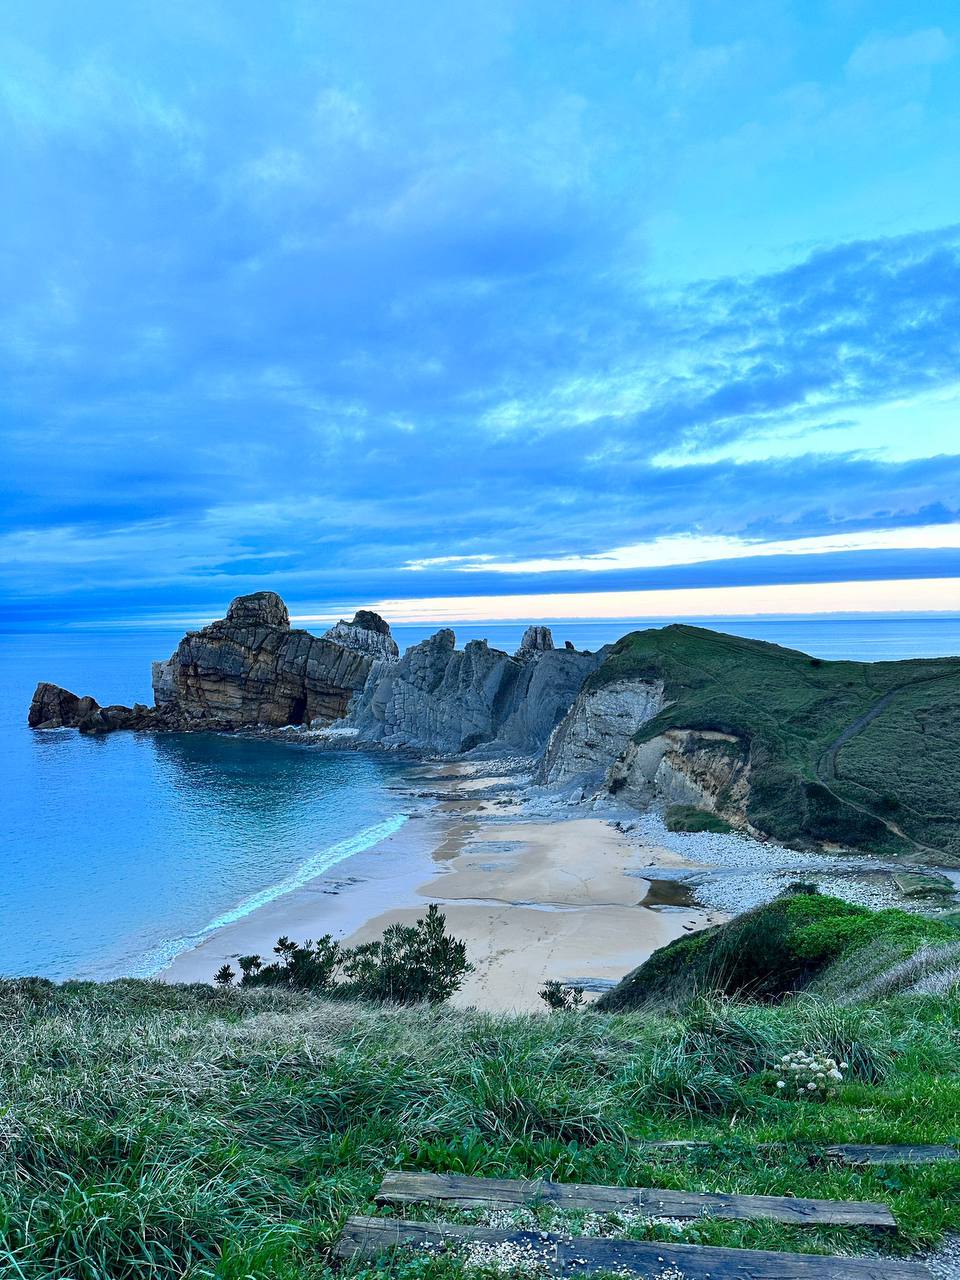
[[787, 708], [800, 941], [150, 1131]]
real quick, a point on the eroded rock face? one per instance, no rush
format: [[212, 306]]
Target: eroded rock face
[[251, 669], [442, 700], [367, 633], [56, 708], [248, 669], [598, 729], [698, 767], [536, 639]]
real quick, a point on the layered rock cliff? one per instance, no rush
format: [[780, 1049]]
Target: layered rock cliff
[[247, 669], [251, 669]]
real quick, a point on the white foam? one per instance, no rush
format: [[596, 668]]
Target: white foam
[[159, 957]]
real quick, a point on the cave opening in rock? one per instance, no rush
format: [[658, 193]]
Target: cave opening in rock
[[298, 710]]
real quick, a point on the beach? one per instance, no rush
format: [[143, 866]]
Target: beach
[[575, 898]]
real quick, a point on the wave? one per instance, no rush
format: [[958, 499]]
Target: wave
[[159, 957]]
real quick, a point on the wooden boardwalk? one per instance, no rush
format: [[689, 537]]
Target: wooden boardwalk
[[463, 1192]]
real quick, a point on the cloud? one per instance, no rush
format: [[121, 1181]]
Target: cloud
[[284, 305], [886, 55]]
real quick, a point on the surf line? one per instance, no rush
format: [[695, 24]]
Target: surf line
[[159, 957]]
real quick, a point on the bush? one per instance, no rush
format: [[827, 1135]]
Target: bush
[[557, 996], [410, 964]]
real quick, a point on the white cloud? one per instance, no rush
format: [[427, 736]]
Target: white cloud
[[883, 55], [683, 549]]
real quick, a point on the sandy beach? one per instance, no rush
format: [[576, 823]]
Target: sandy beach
[[572, 899]]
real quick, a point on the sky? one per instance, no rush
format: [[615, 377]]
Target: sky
[[533, 308]]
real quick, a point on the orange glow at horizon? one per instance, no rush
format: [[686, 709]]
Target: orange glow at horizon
[[917, 595]]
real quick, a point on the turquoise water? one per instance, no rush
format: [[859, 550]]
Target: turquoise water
[[120, 851]]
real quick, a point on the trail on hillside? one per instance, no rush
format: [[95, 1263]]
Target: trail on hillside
[[826, 766]]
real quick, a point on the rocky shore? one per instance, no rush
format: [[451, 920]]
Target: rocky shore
[[765, 740]]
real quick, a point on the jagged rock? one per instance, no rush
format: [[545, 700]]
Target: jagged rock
[[444, 701], [367, 633], [260, 608], [536, 639], [251, 669], [598, 728], [56, 708]]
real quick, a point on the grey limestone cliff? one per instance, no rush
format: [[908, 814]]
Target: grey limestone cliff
[[443, 701], [251, 669]]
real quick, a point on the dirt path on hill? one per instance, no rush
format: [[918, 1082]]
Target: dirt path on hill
[[826, 766]]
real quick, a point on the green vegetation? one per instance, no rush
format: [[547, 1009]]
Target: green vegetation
[[802, 940], [686, 817], [865, 754], [152, 1132], [409, 964]]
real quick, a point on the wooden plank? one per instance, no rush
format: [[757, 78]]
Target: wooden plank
[[365, 1238], [848, 1152], [869, 1153], [454, 1189]]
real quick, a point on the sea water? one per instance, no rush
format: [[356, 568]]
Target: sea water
[[118, 852]]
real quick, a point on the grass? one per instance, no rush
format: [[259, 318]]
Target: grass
[[800, 940], [687, 817], [156, 1131], [900, 772]]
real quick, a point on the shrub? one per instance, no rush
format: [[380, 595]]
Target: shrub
[[687, 817], [557, 996], [409, 964], [810, 1075]]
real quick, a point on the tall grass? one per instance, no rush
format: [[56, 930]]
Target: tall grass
[[150, 1131]]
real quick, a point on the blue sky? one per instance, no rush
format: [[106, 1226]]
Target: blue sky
[[479, 309]]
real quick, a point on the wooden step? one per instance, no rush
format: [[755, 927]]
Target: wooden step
[[867, 1153], [365, 1238], [847, 1152], [454, 1189]]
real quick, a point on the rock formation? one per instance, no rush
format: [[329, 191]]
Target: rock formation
[[597, 729], [247, 669], [442, 700], [250, 669], [536, 639]]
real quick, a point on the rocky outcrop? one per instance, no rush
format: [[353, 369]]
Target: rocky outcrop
[[698, 767], [597, 731], [248, 669], [56, 708], [536, 639], [367, 633], [251, 669], [443, 701], [594, 748]]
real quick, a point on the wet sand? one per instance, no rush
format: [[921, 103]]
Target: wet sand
[[532, 900], [535, 900]]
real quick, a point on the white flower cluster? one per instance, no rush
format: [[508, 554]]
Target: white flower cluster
[[810, 1074]]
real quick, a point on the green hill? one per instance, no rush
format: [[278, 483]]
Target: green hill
[[861, 753], [801, 941]]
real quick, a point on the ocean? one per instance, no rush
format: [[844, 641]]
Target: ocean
[[118, 852]]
